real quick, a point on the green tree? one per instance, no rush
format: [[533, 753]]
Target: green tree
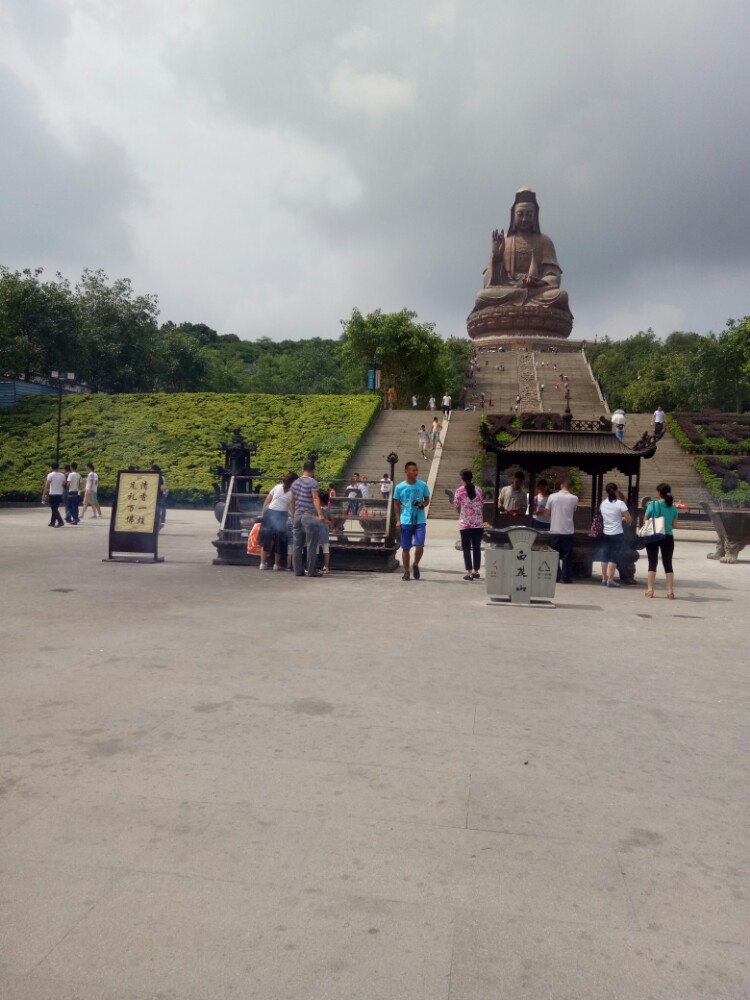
[[734, 352], [120, 334], [618, 363], [200, 332], [39, 329], [413, 358], [181, 362]]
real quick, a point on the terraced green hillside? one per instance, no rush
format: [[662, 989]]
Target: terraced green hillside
[[179, 431]]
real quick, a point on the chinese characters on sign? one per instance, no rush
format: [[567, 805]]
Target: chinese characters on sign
[[137, 501], [523, 571], [519, 586]]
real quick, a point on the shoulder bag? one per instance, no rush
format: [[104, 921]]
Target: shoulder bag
[[597, 526], [653, 529]]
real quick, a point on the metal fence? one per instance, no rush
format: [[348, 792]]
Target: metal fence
[[353, 519]]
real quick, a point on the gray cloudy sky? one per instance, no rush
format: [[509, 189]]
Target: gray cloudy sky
[[265, 166]]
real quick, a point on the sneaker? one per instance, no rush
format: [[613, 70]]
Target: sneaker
[[276, 568], [415, 571], [406, 577], [611, 583], [264, 566]]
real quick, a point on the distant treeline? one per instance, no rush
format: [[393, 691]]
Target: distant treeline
[[110, 338], [687, 371]]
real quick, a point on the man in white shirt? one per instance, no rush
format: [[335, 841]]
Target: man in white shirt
[[423, 439], [560, 509], [353, 494], [446, 404], [386, 484], [618, 423], [513, 498], [74, 491], [364, 488], [90, 496], [658, 421], [54, 486]]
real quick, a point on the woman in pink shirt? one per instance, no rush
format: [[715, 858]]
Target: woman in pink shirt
[[469, 501]]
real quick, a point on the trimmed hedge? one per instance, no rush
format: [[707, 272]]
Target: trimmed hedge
[[720, 446], [727, 477], [181, 432], [712, 432]]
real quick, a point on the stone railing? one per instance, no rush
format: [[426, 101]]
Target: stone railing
[[595, 380]]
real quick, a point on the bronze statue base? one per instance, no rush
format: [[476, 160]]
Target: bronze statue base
[[491, 323]]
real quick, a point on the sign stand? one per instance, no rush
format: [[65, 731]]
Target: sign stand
[[134, 526]]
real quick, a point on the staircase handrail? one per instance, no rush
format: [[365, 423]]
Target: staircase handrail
[[595, 380]]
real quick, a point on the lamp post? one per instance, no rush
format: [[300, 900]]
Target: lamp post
[[60, 379]]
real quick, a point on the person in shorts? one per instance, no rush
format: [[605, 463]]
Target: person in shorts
[[91, 493], [411, 499], [435, 432], [423, 439]]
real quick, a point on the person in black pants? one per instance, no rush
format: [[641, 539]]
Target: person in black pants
[[469, 502], [560, 509], [54, 486], [663, 507]]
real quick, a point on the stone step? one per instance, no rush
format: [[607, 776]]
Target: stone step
[[459, 452], [393, 430]]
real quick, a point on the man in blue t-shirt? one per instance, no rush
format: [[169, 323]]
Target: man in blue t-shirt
[[410, 499]]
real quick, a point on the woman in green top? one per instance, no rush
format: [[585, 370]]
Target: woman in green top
[[663, 507]]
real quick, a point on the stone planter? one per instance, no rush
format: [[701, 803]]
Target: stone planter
[[372, 523], [733, 529], [338, 516]]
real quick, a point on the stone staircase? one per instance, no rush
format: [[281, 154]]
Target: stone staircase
[[459, 452], [527, 383], [497, 377], [393, 430], [396, 430], [585, 402], [525, 372], [670, 465]]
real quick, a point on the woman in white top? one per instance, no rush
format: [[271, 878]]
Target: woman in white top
[[614, 513], [274, 534]]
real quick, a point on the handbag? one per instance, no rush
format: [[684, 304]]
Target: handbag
[[597, 526], [653, 529]]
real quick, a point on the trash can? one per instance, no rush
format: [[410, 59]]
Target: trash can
[[518, 573]]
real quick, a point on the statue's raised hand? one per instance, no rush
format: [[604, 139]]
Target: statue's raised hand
[[498, 240]]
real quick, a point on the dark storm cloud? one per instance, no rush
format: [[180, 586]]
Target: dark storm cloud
[[60, 200], [303, 159], [627, 121]]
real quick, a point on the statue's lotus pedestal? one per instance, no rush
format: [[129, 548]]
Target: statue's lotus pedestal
[[496, 323]]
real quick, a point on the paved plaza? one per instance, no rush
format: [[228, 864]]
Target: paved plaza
[[220, 784]]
